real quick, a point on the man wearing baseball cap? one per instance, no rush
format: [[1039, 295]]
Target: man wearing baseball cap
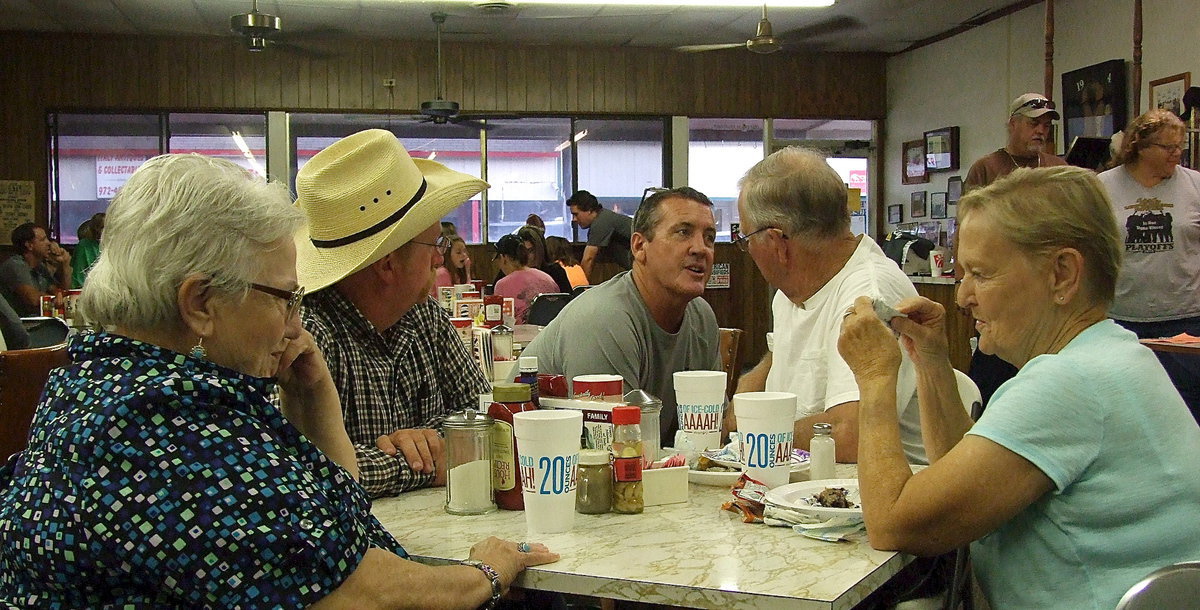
[[1030, 122], [368, 252]]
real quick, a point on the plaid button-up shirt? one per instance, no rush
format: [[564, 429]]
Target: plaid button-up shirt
[[412, 375]]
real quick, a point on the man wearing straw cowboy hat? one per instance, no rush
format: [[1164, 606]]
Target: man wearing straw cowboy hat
[[372, 241]]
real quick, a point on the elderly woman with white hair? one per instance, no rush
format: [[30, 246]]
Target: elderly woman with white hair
[[1079, 478], [160, 473]]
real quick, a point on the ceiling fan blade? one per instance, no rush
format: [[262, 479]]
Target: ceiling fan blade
[[840, 23], [700, 48]]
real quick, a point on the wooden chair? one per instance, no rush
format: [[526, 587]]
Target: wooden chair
[[23, 374], [731, 357]]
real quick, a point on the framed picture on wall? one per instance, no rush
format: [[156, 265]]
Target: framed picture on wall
[[937, 205], [953, 189], [914, 163], [916, 205], [1167, 93], [1094, 101], [895, 214], [941, 149]]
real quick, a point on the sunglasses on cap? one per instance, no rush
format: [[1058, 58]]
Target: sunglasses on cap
[[1035, 104]]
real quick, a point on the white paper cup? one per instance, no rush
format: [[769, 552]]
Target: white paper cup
[[937, 260], [700, 400], [764, 423], [548, 455]]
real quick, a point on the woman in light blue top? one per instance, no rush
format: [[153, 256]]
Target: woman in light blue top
[[1079, 479]]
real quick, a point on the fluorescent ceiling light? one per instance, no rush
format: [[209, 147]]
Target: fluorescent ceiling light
[[689, 3]]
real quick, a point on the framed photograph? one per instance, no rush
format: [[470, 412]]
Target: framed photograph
[[953, 190], [916, 205], [941, 149], [895, 214], [1167, 93], [937, 205], [1094, 101], [914, 163]]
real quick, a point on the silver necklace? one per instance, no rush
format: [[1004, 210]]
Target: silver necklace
[[1014, 160]]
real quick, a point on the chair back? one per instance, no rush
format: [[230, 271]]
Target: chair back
[[578, 290], [731, 357], [23, 374], [972, 398], [45, 332], [1174, 587], [545, 307]]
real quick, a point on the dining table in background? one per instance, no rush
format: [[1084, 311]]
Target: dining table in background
[[691, 554], [1175, 347]]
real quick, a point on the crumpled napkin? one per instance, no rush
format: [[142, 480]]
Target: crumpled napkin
[[835, 529]]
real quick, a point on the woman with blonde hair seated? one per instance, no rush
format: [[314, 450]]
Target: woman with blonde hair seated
[[1079, 478], [159, 471]]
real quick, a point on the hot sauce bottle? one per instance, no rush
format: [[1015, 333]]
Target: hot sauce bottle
[[508, 398]]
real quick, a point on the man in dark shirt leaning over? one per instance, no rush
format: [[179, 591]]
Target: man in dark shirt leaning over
[[607, 230]]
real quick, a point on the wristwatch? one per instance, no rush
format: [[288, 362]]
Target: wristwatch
[[492, 576]]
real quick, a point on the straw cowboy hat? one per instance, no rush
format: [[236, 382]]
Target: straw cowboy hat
[[364, 197]]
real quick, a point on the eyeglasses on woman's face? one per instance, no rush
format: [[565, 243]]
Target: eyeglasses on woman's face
[[293, 298]]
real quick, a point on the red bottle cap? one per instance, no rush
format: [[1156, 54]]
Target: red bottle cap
[[626, 415]]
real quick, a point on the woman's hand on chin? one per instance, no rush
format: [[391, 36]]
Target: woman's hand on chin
[[302, 367]]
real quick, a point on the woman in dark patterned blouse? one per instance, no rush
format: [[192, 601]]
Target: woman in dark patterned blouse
[[160, 473]]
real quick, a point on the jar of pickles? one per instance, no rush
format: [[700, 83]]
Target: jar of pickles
[[627, 453], [594, 494]]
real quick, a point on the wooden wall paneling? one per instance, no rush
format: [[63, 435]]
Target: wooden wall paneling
[[289, 81], [165, 84], [319, 83], [585, 80], [616, 81], [268, 90], [557, 79], [454, 58], [513, 78], [404, 70], [537, 80], [568, 61], [483, 64], [245, 77]]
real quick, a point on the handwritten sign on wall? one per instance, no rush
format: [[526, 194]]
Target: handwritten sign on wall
[[16, 205]]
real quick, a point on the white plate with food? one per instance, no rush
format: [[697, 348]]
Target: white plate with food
[[824, 498], [727, 473]]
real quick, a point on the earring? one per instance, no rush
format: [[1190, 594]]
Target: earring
[[198, 352], [1061, 298]]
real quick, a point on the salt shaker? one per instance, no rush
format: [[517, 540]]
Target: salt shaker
[[469, 463], [821, 452]]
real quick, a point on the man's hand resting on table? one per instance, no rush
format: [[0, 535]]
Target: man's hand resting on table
[[422, 448]]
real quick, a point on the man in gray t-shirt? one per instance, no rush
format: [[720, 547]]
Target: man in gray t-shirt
[[648, 323], [608, 231], [39, 267]]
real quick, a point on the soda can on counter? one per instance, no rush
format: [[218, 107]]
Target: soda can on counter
[[49, 305]]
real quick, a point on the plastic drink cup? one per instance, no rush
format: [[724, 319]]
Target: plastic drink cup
[[764, 423], [700, 400], [548, 456]]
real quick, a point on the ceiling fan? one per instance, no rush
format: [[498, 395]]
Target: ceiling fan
[[765, 41], [261, 30], [439, 110]]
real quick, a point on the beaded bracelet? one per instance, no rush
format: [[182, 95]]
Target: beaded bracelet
[[492, 576]]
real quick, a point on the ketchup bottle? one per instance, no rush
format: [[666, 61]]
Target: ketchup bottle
[[508, 398]]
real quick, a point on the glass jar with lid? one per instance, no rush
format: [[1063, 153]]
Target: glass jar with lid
[[468, 463], [593, 495]]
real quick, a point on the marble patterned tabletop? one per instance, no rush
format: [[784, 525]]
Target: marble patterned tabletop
[[689, 554]]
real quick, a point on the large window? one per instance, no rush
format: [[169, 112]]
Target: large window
[[94, 154], [719, 153], [846, 145], [618, 160], [240, 138], [529, 168]]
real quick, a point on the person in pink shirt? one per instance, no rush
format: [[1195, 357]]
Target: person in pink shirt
[[520, 282], [455, 268]]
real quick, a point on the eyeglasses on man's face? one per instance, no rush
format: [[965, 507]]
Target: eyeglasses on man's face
[[293, 298], [442, 244], [743, 242]]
